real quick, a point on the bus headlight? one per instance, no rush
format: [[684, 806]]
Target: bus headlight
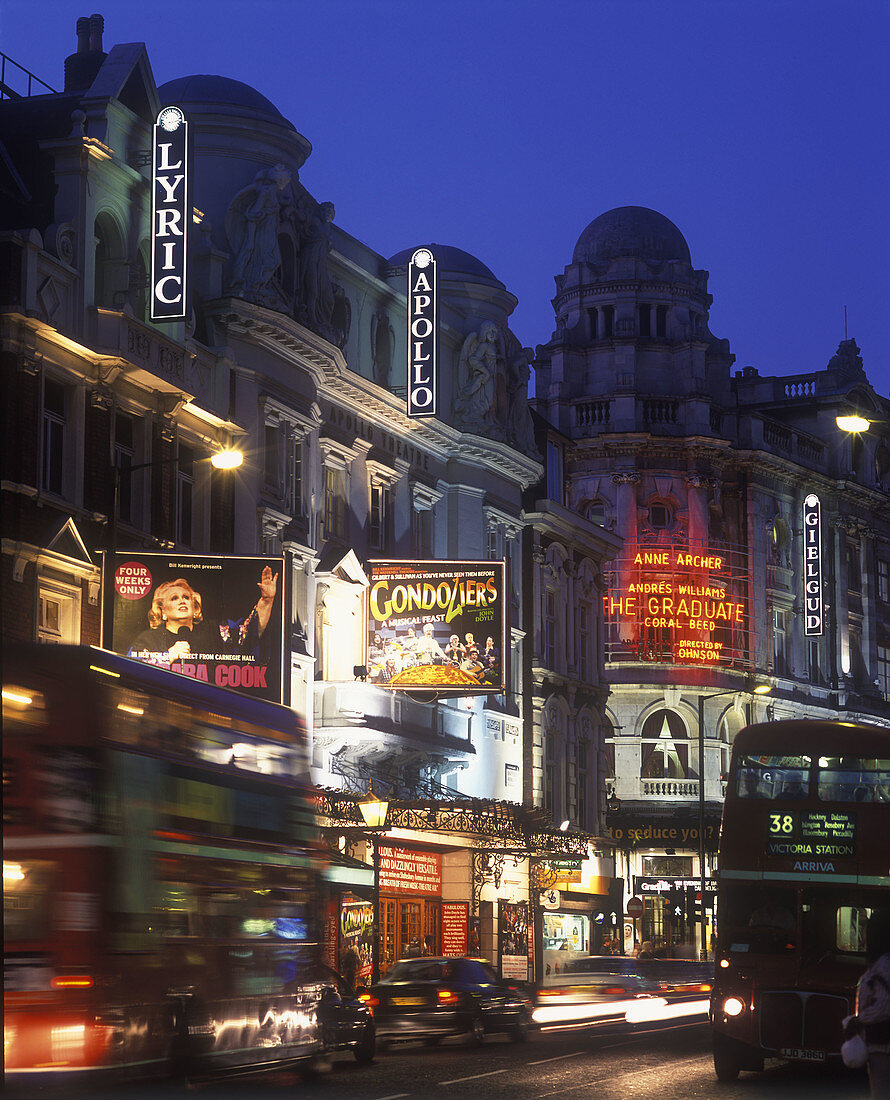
[[732, 1006]]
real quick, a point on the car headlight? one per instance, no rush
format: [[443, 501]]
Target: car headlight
[[732, 1006]]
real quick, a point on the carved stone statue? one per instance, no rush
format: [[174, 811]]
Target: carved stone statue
[[520, 431], [480, 368], [846, 360], [316, 295], [252, 224]]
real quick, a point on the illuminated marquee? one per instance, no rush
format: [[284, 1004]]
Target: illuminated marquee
[[812, 565], [169, 215], [437, 626], [677, 605], [423, 324]]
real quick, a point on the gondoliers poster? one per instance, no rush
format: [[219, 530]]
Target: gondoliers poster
[[437, 626], [216, 619]]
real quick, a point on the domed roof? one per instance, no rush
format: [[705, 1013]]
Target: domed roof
[[450, 259], [205, 89], [631, 231]]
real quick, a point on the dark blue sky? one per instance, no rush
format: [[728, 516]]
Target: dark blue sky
[[503, 127]]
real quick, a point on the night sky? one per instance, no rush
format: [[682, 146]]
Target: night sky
[[759, 127]]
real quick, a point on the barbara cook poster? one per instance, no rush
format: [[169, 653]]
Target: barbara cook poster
[[437, 626], [218, 620]]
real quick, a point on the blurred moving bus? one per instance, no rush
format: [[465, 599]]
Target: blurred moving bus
[[803, 862], [159, 872]]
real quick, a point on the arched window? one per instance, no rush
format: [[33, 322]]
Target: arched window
[[596, 512], [111, 282], [665, 747]]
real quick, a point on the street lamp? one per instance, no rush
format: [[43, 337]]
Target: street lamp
[[374, 811], [225, 459], [754, 689]]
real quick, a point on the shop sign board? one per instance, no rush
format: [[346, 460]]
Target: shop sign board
[[683, 605], [437, 626], [226, 627], [549, 899], [812, 565], [169, 215], [423, 324], [454, 928], [356, 940], [406, 872], [670, 832]]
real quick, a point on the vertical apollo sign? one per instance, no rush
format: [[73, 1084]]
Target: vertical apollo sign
[[423, 323], [169, 215], [812, 565]]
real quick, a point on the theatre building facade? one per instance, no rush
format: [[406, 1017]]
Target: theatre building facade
[[293, 350], [711, 477]]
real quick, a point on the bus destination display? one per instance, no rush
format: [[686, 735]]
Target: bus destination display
[[811, 835]]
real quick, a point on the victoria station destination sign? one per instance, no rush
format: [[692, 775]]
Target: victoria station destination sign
[[423, 324], [686, 605], [169, 215], [437, 626], [812, 565], [216, 619]]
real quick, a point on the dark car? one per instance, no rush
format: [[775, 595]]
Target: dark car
[[345, 1020], [430, 998]]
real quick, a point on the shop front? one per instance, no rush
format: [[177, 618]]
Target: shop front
[[410, 904]]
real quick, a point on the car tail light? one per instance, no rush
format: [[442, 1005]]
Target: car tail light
[[448, 997], [614, 990], [369, 999], [72, 981]]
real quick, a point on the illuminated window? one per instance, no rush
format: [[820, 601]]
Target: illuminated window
[[58, 613], [665, 747]]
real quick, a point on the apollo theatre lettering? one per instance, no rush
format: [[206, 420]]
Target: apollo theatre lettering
[[169, 215], [423, 324], [812, 565]]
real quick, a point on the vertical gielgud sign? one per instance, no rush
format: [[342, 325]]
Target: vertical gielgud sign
[[812, 565], [423, 326], [169, 215]]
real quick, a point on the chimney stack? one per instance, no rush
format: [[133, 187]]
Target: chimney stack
[[81, 67]]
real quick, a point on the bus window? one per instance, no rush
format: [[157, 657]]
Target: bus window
[[772, 777], [27, 886], [850, 928], [853, 779]]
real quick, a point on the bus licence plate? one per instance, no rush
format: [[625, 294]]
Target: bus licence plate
[[802, 1055]]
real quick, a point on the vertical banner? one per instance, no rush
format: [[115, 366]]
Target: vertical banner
[[169, 215], [454, 928], [356, 941], [812, 565], [423, 324], [513, 950], [215, 619]]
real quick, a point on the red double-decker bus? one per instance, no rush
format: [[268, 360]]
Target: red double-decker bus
[[160, 873], [803, 862]]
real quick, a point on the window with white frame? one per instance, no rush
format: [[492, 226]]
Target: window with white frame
[[583, 757], [884, 580], [780, 642], [334, 515], [550, 628], [380, 516], [585, 617], [665, 747], [56, 399], [884, 670], [58, 613]]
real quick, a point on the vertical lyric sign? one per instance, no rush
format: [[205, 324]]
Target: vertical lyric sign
[[423, 325], [169, 215], [812, 565]]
